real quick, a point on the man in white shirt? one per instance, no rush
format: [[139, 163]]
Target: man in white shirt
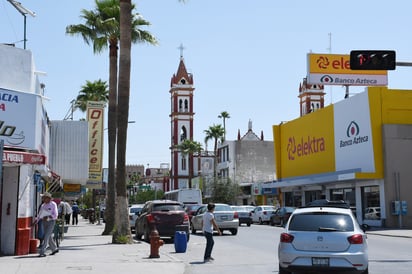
[[208, 223]]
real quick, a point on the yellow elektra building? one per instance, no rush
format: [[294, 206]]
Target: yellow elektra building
[[358, 150]]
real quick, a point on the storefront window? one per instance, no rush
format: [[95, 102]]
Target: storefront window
[[371, 203], [344, 194]]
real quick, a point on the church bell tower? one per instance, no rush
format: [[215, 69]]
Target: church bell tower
[[181, 119]]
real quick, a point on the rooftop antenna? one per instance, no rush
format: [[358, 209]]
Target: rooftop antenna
[[23, 11]]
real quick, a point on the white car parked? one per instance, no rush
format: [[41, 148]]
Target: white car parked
[[261, 214]]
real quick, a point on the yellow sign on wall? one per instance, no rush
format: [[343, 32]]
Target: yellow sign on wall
[[307, 148]]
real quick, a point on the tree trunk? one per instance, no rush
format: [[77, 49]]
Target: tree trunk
[[112, 126], [122, 233]]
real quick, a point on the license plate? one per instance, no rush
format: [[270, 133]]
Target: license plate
[[323, 262], [223, 218]]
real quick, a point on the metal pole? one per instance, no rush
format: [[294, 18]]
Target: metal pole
[[24, 31]]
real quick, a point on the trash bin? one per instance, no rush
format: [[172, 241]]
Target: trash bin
[[180, 241]]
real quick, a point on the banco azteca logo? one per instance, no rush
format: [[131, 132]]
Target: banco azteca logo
[[291, 148], [327, 79], [353, 129], [323, 62]]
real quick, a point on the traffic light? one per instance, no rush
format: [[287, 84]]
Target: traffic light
[[372, 60]]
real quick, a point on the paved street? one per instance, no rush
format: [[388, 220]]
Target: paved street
[[85, 250]]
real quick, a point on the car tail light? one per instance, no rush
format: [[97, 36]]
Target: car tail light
[[355, 239], [186, 218], [286, 238], [264, 212], [236, 215], [150, 218]]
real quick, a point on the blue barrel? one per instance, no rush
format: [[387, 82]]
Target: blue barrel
[[180, 241]]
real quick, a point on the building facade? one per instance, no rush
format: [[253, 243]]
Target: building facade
[[358, 150]]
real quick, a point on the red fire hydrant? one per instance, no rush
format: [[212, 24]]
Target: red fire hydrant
[[155, 243]]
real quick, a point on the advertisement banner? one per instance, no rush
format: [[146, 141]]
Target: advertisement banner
[[307, 144], [334, 69], [95, 117], [353, 135], [17, 130]]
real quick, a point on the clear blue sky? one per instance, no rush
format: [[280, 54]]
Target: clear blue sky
[[247, 58]]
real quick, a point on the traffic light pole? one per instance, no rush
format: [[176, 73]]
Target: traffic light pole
[[404, 64]]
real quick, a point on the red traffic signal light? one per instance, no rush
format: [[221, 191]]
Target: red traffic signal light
[[372, 60]]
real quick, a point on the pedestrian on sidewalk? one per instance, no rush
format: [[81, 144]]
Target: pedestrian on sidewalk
[[48, 214], [208, 223], [75, 214]]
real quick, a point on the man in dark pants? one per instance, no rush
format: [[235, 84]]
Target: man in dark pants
[[208, 223]]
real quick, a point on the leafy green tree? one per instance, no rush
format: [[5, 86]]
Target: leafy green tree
[[188, 148], [92, 91], [224, 191], [215, 133], [224, 115], [102, 29]]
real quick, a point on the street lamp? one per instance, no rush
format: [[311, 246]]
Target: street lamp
[[24, 12]]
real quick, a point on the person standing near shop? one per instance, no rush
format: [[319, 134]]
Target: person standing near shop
[[208, 223], [67, 212], [48, 214], [75, 214]]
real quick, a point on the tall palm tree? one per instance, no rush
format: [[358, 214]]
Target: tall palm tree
[[224, 115], [215, 132], [187, 148], [91, 91], [102, 29]]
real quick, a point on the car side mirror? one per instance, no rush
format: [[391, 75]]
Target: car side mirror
[[365, 227]]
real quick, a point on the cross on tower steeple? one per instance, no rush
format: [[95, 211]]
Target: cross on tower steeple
[[181, 48]]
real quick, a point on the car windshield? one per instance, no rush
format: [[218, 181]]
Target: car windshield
[[321, 221], [135, 209], [167, 207]]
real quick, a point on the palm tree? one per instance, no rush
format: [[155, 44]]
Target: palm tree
[[224, 115], [187, 148], [215, 132], [91, 91], [102, 29]]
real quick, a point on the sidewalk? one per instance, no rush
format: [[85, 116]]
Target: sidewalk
[[85, 250]]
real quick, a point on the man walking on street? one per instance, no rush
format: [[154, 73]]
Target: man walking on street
[[208, 223], [48, 214]]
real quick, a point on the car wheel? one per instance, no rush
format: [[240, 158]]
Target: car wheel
[[260, 221], [248, 224], [366, 271], [233, 231], [283, 271]]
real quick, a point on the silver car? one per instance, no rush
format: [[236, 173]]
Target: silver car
[[325, 239], [226, 218]]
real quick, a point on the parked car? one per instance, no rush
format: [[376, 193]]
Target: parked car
[[372, 213], [226, 218], [244, 213], [261, 214], [324, 238], [165, 215], [281, 215], [134, 211], [191, 209]]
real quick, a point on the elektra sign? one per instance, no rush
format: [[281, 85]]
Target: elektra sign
[[306, 146]]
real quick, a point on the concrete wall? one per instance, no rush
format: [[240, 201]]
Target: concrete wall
[[397, 149]]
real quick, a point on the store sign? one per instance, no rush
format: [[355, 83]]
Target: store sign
[[23, 158], [334, 69]]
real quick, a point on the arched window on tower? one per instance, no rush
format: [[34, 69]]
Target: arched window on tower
[[184, 163], [180, 105], [186, 106], [183, 134]]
